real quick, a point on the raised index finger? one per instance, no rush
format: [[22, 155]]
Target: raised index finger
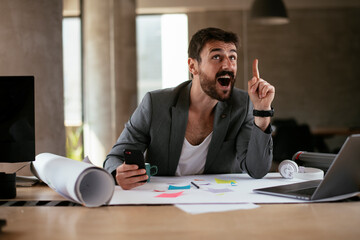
[[255, 68]]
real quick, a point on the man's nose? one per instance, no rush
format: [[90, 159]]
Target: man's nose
[[227, 64]]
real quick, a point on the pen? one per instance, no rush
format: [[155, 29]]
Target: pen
[[195, 185]]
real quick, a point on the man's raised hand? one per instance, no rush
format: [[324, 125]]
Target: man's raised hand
[[260, 91]]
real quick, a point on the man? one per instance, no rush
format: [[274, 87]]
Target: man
[[203, 126]]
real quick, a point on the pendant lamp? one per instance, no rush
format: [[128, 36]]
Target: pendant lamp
[[269, 12]]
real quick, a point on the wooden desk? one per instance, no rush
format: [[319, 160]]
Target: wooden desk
[[269, 221]]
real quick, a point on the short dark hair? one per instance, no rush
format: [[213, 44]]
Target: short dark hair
[[203, 36]]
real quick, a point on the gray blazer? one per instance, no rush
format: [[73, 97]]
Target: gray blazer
[[158, 127]]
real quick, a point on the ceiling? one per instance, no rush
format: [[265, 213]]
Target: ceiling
[[174, 6], [72, 7]]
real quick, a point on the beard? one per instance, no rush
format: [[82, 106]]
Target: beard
[[209, 85]]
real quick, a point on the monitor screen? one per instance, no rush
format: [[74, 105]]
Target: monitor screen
[[17, 119]]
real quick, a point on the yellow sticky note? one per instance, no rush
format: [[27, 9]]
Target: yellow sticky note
[[221, 181]]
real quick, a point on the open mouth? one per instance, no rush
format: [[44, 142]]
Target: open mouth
[[224, 80]]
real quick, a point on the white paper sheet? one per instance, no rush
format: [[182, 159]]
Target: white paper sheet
[[239, 191], [77, 181], [208, 208]]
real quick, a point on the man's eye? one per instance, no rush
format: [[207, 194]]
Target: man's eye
[[233, 58], [216, 57]]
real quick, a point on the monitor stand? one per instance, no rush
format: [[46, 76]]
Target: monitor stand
[[7, 185]]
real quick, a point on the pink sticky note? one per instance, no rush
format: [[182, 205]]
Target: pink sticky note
[[170, 195]]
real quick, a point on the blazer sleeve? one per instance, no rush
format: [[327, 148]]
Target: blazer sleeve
[[134, 136], [254, 147]]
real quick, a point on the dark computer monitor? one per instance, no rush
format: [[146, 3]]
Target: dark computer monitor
[[17, 127], [17, 119]]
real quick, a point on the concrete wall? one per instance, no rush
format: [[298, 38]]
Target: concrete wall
[[313, 64], [31, 44], [110, 89], [312, 61]]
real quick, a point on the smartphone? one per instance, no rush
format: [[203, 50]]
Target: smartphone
[[133, 156]]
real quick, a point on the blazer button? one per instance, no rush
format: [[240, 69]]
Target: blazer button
[[223, 116]]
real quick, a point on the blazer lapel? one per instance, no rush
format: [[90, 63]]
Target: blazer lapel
[[221, 124], [179, 121]]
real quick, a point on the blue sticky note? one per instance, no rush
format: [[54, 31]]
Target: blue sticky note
[[172, 187]]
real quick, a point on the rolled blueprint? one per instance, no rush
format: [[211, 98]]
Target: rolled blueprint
[[77, 181]]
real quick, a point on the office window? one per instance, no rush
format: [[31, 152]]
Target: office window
[[73, 87], [162, 42]]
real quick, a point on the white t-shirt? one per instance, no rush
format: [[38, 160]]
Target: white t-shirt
[[192, 159]]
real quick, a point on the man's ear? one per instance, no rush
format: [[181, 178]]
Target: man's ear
[[193, 66]]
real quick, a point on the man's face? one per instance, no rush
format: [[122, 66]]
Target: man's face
[[217, 69]]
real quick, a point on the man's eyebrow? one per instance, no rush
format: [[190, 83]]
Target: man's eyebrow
[[216, 50], [221, 50]]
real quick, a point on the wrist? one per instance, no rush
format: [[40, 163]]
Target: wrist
[[262, 122]]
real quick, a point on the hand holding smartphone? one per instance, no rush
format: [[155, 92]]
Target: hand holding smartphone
[[133, 156]]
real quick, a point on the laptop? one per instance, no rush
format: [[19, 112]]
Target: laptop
[[341, 181]]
